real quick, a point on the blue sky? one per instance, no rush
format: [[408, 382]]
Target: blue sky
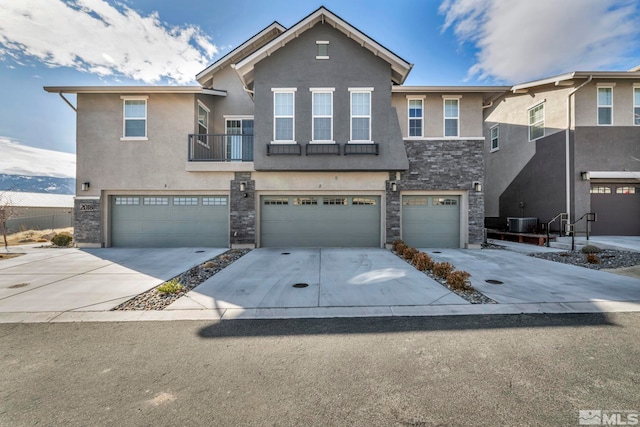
[[137, 42]]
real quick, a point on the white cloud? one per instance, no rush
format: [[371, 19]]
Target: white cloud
[[98, 37], [529, 39], [17, 159]]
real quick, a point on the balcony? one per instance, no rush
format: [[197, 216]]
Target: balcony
[[220, 148]]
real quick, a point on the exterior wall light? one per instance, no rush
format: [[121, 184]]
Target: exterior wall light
[[585, 176], [477, 187], [85, 186], [394, 187], [243, 186]]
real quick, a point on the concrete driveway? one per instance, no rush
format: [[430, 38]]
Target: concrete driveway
[[335, 277], [54, 280], [533, 280]]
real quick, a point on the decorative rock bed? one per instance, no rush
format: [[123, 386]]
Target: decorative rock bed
[[154, 300], [608, 258]]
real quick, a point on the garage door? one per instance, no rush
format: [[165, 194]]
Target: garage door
[[618, 209], [320, 221], [169, 221], [431, 221]]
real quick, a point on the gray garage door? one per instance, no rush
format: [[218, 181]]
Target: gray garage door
[[618, 209], [320, 221], [431, 221], [169, 221]]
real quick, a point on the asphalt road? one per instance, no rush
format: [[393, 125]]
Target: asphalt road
[[441, 371]]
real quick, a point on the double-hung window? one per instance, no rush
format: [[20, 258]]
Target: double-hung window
[[451, 117], [416, 117], [135, 117], [203, 124], [636, 106], [322, 111], [284, 115], [495, 138], [360, 114], [605, 106], [536, 122]]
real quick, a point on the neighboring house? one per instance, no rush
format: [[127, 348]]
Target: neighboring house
[[37, 211], [300, 137], [569, 143]]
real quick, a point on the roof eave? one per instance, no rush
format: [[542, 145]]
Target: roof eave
[[123, 89]]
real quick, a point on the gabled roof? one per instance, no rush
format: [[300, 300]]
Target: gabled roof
[[567, 79], [399, 67], [255, 42]]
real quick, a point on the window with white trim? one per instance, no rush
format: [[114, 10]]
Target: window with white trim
[[214, 201], [536, 122], [185, 201], [203, 124], [636, 106], [322, 112], [135, 118], [451, 117], [284, 115], [322, 49], [360, 115], [495, 138], [605, 106], [416, 111]]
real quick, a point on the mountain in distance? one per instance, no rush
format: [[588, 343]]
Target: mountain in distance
[[35, 170]]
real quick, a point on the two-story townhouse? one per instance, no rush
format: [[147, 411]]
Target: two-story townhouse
[[569, 143], [300, 137]]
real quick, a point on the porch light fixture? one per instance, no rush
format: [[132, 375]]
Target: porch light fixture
[[477, 187], [243, 186], [85, 186], [585, 176], [394, 187]]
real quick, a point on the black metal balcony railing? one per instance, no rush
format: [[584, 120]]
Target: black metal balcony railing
[[220, 148]]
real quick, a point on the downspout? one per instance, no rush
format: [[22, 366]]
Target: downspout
[[68, 102], [567, 150]]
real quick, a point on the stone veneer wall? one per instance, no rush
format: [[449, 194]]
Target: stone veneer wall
[[87, 222], [441, 165], [243, 211]]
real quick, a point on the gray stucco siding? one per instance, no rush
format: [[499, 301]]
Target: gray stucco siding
[[349, 66]]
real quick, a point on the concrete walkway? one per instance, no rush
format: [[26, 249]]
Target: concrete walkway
[[70, 285]]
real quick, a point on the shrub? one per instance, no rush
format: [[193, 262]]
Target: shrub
[[173, 286], [400, 247], [409, 253], [593, 259], [591, 249], [61, 239], [459, 280], [395, 243], [442, 269], [423, 262]]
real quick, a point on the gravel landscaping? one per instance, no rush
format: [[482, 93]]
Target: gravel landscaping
[[608, 258], [154, 300]]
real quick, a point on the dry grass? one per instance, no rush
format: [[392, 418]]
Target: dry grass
[[7, 256], [34, 236]]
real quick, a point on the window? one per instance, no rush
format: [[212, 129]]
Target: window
[[203, 124], [415, 117], [636, 106], [135, 118], [440, 201], [155, 200], [536, 122], [360, 115], [451, 116], [322, 49], [127, 201], [276, 201], [363, 201], [600, 189], [185, 201], [305, 201], [415, 201], [284, 108], [495, 134], [322, 111], [626, 190], [214, 201], [605, 106], [334, 201], [239, 140]]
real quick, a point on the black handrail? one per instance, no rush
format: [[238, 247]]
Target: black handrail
[[563, 217], [220, 148], [591, 217]]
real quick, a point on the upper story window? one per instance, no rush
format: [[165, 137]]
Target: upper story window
[[451, 117], [284, 115], [322, 111], [135, 117], [322, 49], [360, 114], [203, 119], [416, 117], [536, 122], [605, 106], [495, 138], [636, 106]]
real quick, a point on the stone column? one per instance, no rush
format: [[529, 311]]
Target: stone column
[[243, 211], [87, 227]]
